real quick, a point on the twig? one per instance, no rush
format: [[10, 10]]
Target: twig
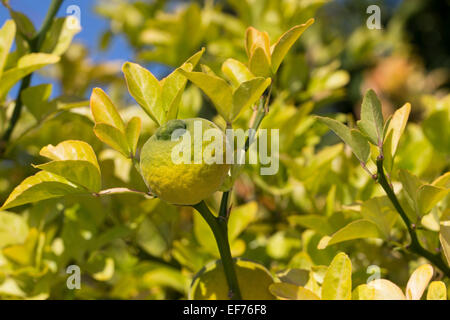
[[415, 245]]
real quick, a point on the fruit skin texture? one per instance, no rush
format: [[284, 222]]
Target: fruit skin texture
[[180, 183]]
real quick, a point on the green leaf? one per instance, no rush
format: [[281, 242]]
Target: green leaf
[[75, 161], [7, 33], [428, 196], [259, 63], [436, 129], [58, 38], [132, 132], [36, 100], [281, 47], [240, 218], [337, 284], [359, 229], [174, 84], [24, 25], [145, 89], [288, 291], [104, 111], [236, 72], [379, 289], [418, 282], [13, 228], [444, 238], [394, 131], [216, 89], [371, 123], [113, 137], [352, 137], [315, 222], [247, 94], [210, 282], [43, 185], [381, 212], [437, 291], [26, 65]]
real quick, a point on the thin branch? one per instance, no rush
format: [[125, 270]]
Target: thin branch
[[148, 195], [415, 245], [35, 46]]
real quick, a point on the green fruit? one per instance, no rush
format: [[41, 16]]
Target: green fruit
[[183, 183], [210, 283]]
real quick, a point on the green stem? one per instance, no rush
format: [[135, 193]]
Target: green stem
[[35, 46], [219, 228], [415, 245]]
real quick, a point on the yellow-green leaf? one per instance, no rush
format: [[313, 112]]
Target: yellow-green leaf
[[381, 289], [26, 65], [337, 284], [104, 111], [437, 291], [372, 123], [259, 63], [288, 291], [418, 282], [75, 161], [132, 132], [444, 237], [359, 229], [13, 228], [351, 137], [58, 38], [113, 137], [145, 89], [36, 100], [216, 89], [43, 185], [247, 94], [281, 47], [236, 72], [7, 33]]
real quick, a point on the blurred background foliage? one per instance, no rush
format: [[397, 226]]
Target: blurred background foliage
[[129, 247]]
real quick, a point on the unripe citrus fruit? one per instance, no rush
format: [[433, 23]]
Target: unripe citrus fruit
[[181, 167]]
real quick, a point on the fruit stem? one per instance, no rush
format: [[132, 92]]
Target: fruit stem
[[219, 228]]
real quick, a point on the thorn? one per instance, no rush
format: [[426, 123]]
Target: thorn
[[229, 211]]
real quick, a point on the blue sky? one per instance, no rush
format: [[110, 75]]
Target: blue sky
[[92, 28]]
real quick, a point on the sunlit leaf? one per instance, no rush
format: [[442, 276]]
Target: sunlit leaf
[[380, 289], [288, 291], [281, 47], [145, 89], [75, 161], [240, 218], [359, 229], [132, 132], [418, 282], [444, 237], [104, 111], [371, 123], [259, 63], [437, 291], [216, 89], [26, 65], [337, 284], [113, 137], [60, 35], [7, 33], [247, 94], [236, 72], [13, 228], [43, 185]]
